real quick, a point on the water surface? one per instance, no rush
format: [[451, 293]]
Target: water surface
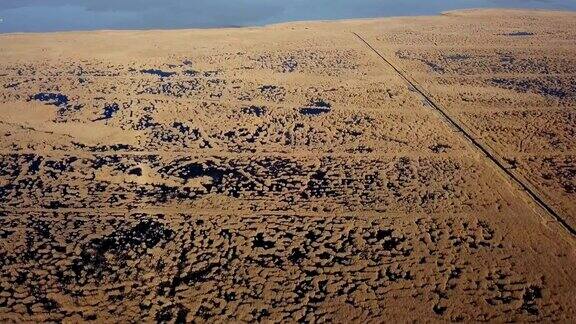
[[61, 15]]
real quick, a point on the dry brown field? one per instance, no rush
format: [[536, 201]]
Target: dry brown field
[[396, 169]]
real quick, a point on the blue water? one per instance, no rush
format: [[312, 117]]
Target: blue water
[[60, 15]]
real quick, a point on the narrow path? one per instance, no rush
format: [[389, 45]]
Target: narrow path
[[511, 175]]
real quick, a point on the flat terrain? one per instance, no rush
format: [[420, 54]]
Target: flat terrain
[[417, 168]]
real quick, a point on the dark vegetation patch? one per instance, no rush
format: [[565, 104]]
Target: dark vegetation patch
[[172, 314], [547, 87], [314, 110], [512, 162], [105, 148], [440, 148], [531, 294], [210, 74], [176, 89], [260, 242], [289, 65], [254, 110], [520, 33], [458, 57], [268, 88], [98, 255], [160, 73], [56, 99], [190, 133], [216, 173], [432, 65], [109, 111], [135, 171], [320, 103], [439, 310], [563, 171], [273, 92], [146, 122], [11, 85], [316, 107], [191, 73]]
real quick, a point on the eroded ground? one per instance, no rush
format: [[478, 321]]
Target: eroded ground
[[287, 173]]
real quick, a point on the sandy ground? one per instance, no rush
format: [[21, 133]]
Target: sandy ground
[[415, 168]]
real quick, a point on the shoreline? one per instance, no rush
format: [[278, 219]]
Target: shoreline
[[297, 22]]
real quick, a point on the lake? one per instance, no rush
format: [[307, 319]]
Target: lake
[[62, 15]]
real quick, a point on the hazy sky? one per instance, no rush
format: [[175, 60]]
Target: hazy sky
[[52, 15]]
